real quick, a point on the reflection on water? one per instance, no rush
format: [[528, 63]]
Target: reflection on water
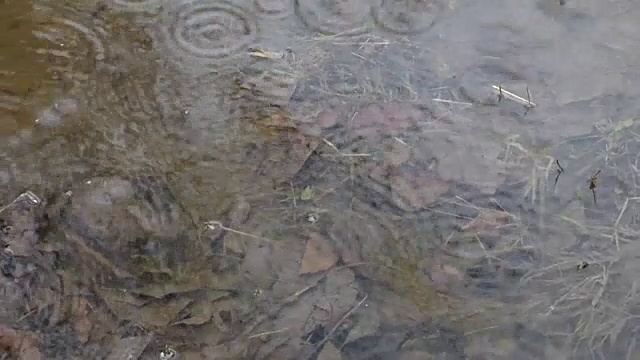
[[350, 180]]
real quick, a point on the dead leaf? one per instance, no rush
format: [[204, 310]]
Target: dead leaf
[[122, 303], [487, 222], [376, 121], [193, 281], [129, 348], [286, 153], [127, 307], [413, 188], [329, 352], [19, 344], [77, 241], [162, 313], [397, 154], [443, 276], [80, 318], [201, 311], [278, 120], [318, 255], [327, 118]]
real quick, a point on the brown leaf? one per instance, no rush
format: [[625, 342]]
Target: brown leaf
[[160, 314], [413, 189], [21, 345], [487, 221], [329, 352], [200, 311], [80, 318], [318, 255], [279, 120], [327, 118], [129, 348], [376, 121]]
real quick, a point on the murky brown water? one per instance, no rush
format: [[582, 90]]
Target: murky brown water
[[319, 179]]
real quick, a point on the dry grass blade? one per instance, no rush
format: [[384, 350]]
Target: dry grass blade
[[214, 224], [616, 225], [454, 102], [268, 333], [340, 153], [339, 322]]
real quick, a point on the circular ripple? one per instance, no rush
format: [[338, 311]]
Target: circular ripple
[[273, 8], [407, 17], [72, 45], [140, 6], [332, 17], [106, 67], [207, 30]]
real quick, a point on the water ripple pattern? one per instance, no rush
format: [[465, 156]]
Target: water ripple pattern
[[206, 31], [138, 6], [407, 17], [333, 17], [106, 68], [73, 39], [274, 8]]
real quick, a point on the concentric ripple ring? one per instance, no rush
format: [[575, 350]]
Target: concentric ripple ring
[[140, 6], [208, 30], [273, 8], [332, 17], [407, 17]]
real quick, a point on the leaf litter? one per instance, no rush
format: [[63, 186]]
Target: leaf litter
[[318, 255]]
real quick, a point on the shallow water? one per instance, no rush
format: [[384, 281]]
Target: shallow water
[[374, 132]]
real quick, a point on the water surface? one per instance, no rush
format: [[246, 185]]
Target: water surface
[[366, 145]]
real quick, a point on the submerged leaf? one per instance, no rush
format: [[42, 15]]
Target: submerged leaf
[[318, 255]]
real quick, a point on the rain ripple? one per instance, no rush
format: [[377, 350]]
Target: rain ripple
[[138, 6], [408, 17], [333, 17], [274, 8], [101, 61], [205, 32]]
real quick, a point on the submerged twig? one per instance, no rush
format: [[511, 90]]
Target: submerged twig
[[502, 93], [452, 102], [593, 184], [339, 322], [559, 171], [340, 153], [213, 224]]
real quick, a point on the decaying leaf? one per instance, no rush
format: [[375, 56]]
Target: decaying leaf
[[126, 306], [80, 318], [487, 221], [195, 280], [162, 313], [19, 344], [413, 189], [201, 310], [329, 352], [377, 121], [319, 255], [129, 348]]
